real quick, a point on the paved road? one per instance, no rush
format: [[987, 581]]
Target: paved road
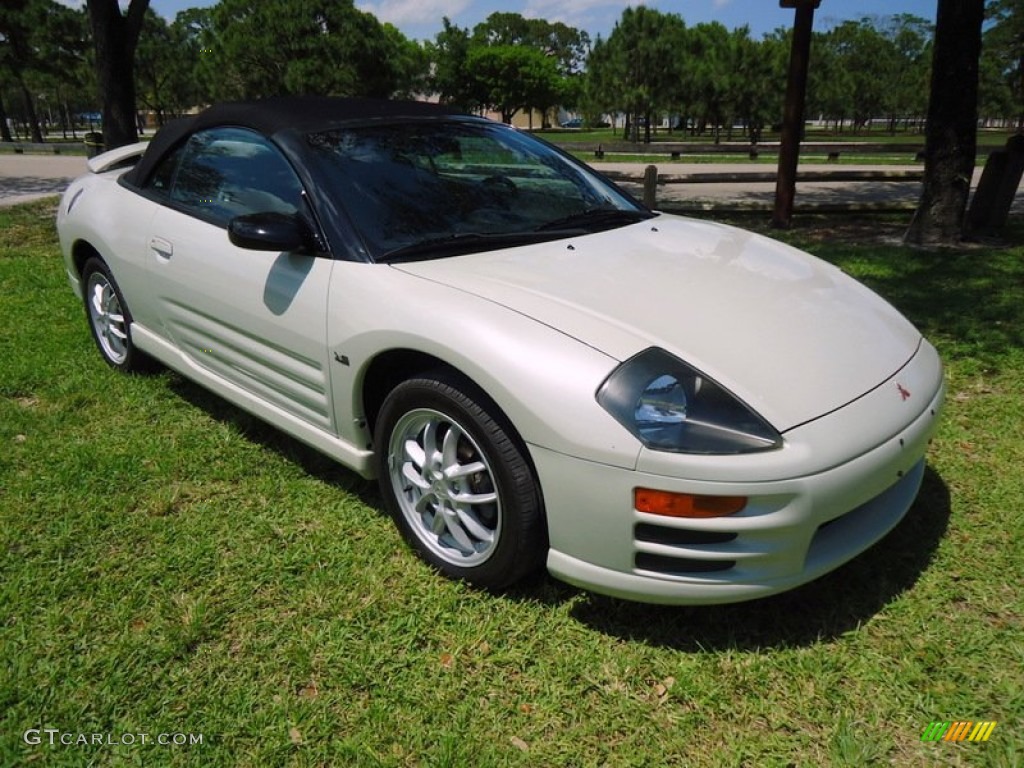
[[29, 177]]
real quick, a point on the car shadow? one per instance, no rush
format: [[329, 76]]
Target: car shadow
[[824, 609], [820, 611], [312, 462]]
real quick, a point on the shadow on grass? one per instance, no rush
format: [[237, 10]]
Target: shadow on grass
[[826, 608], [971, 303], [822, 610], [311, 461]]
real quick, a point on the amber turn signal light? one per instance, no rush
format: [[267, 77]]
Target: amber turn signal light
[[686, 504]]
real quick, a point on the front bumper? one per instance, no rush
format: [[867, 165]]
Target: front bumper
[[792, 530]]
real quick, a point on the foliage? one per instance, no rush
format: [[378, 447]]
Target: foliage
[[651, 68], [755, 65], [638, 68], [1003, 60], [173, 565], [165, 63], [42, 51], [871, 68], [706, 76], [508, 78], [258, 48], [448, 54], [567, 45], [507, 63], [710, 78]]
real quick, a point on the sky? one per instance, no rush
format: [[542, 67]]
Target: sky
[[421, 19]]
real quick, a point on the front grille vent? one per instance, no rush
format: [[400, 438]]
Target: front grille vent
[[679, 566], [680, 537]]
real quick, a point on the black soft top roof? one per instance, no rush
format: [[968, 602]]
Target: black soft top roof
[[302, 114]]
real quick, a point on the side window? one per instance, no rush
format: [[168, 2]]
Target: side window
[[162, 178], [227, 172]]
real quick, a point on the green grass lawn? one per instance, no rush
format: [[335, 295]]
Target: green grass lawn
[[173, 566]]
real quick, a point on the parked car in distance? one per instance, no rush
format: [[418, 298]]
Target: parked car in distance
[[576, 122], [538, 370]]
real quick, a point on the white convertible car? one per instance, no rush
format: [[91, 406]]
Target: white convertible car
[[538, 370]]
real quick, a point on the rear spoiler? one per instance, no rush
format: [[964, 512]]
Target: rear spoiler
[[122, 157]]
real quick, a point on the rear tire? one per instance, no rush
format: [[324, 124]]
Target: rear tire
[[110, 322], [457, 483]]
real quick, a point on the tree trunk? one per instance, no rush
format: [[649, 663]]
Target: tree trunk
[[30, 110], [115, 37], [5, 130], [952, 128]]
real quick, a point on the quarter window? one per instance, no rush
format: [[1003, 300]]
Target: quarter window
[[160, 182]]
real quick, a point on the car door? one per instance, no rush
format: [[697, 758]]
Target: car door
[[255, 319]]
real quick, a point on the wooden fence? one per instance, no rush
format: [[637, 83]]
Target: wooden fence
[[677, 150]]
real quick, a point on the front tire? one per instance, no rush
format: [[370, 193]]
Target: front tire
[[110, 322], [457, 483]]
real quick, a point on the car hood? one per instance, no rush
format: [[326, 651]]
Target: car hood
[[789, 334]]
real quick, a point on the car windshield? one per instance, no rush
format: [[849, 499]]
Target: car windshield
[[428, 189]]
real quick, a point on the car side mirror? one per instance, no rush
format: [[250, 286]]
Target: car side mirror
[[269, 232]]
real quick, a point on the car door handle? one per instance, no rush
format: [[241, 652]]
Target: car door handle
[[161, 247]]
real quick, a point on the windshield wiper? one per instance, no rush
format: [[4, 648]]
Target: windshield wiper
[[594, 219], [464, 242]]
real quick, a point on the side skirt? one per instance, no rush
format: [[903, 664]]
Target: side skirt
[[358, 460]]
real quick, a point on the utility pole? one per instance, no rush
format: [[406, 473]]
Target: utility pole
[[793, 113]]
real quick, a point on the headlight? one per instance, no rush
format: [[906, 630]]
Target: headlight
[[671, 406]]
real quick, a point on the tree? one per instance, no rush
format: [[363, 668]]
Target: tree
[[829, 82], [565, 47], [711, 59], [408, 63], [869, 68], [66, 76], [756, 66], [18, 54], [259, 48], [512, 77], [160, 57], [568, 45], [599, 91], [115, 37], [951, 132], [910, 37], [5, 129], [507, 63], [1003, 58], [451, 79], [41, 42], [638, 67], [868, 59], [192, 31]]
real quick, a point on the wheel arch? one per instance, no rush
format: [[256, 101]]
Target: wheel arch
[[81, 252], [391, 367], [388, 369]]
